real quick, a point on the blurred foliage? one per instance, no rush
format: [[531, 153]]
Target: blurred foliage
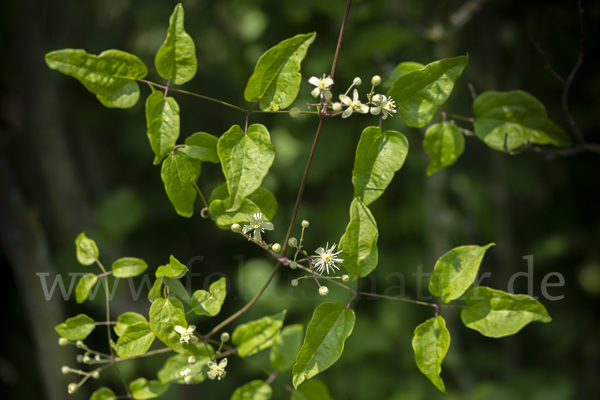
[[527, 205]]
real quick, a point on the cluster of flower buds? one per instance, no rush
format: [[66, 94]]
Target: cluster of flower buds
[[377, 104]]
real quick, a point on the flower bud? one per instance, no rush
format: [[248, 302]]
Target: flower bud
[[188, 379], [72, 388], [86, 359], [294, 282], [336, 107], [79, 357], [357, 81], [345, 278], [276, 247], [191, 360], [376, 80], [63, 342], [65, 370], [236, 228], [293, 265], [305, 224], [225, 337], [97, 357], [294, 112], [95, 374], [292, 242], [323, 291], [79, 344]]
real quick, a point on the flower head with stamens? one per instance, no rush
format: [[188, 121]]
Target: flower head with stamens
[[186, 334], [217, 371], [322, 86], [258, 224], [383, 104], [353, 104], [326, 258]]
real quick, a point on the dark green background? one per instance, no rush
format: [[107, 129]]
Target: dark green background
[[69, 165]]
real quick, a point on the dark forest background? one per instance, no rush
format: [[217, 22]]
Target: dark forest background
[[69, 165]]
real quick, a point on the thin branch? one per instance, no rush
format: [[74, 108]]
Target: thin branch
[[547, 65], [339, 44]]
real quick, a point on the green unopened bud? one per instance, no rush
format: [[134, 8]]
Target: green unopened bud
[[294, 282], [292, 242], [293, 265], [376, 80], [294, 112], [188, 379], [95, 374], [336, 106], [236, 228], [345, 278], [63, 342], [97, 357], [79, 344], [357, 81], [225, 337], [79, 357], [86, 359], [305, 224], [65, 370], [191, 360], [72, 388], [276, 247], [323, 291]]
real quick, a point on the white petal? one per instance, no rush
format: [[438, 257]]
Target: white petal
[[313, 80], [355, 95], [347, 113], [211, 364], [191, 328], [223, 363], [315, 92], [247, 229], [180, 329], [267, 225], [363, 109], [328, 81], [345, 99], [211, 375], [375, 110], [327, 94]]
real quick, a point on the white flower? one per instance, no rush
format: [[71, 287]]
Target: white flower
[[323, 291], [383, 104], [217, 371], [186, 334], [322, 86], [353, 104], [258, 224], [326, 258]]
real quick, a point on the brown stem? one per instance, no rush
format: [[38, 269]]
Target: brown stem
[[339, 44]]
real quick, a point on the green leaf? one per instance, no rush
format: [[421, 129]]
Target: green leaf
[[258, 335], [255, 390], [261, 200], [127, 267], [495, 313], [276, 78], [165, 314], [176, 58], [359, 242], [82, 290], [103, 393], [135, 340], [156, 290], [518, 114], [177, 367], [378, 158], [431, 343], [312, 390], [179, 173], [402, 69], [141, 388], [174, 269], [209, 303], [87, 251], [162, 120], [455, 271], [286, 347], [176, 288], [419, 93], [329, 327], [76, 328], [110, 76], [202, 146], [126, 319], [245, 159], [443, 143]]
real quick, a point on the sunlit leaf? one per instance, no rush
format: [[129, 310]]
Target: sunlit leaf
[[87, 251], [126, 319], [174, 269], [431, 343], [165, 314], [76, 328], [135, 340], [127, 267], [179, 173], [86, 282], [443, 143], [202, 146], [255, 390], [258, 335], [286, 347], [142, 388], [162, 121], [311, 390], [209, 303]]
